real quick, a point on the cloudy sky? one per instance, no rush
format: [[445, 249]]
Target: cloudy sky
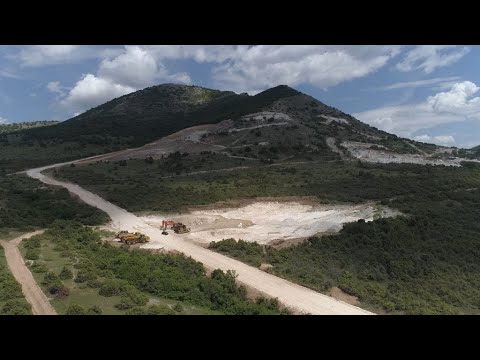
[[428, 93]]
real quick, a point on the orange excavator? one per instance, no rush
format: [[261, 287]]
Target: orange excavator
[[177, 227]]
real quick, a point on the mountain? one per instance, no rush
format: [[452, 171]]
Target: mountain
[[144, 116]]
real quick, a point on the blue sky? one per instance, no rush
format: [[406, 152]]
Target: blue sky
[[428, 93]]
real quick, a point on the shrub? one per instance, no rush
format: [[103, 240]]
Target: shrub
[[39, 268], [16, 307], [76, 309], [32, 254], [65, 274], [125, 303], [136, 311], [94, 284], [95, 310], [112, 287], [159, 310], [52, 282], [84, 275], [178, 307]]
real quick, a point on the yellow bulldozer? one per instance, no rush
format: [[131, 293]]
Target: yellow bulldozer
[[132, 238], [177, 227]]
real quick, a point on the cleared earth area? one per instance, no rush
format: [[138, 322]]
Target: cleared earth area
[[269, 222]]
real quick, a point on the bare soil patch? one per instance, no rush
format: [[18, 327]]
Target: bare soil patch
[[339, 294]]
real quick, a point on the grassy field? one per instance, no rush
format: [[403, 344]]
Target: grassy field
[[82, 274]]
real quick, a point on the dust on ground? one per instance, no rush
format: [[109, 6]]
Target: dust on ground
[[270, 222], [338, 294]]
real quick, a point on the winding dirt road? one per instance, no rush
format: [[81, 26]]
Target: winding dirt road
[[296, 297], [33, 294]]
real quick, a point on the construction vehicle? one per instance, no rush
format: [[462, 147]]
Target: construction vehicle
[[177, 227], [132, 238]]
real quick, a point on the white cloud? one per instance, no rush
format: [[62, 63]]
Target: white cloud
[[55, 87], [419, 83], [41, 55], [458, 104], [265, 66], [199, 53], [3, 120], [138, 68], [439, 139], [134, 69], [91, 91], [430, 57], [241, 68]]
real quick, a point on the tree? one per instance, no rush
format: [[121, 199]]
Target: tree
[[16, 307], [76, 309], [65, 274], [52, 282], [159, 310], [95, 310]]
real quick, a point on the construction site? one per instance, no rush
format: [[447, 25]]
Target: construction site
[[264, 222]]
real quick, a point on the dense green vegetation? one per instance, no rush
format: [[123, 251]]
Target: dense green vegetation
[[26, 204], [118, 280], [425, 262], [138, 185], [12, 301]]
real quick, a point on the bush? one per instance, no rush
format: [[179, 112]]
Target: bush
[[95, 310], [32, 254], [84, 275], [159, 310], [16, 307], [136, 311], [76, 309], [125, 303], [65, 274], [52, 282], [39, 268], [112, 287], [94, 284], [178, 307]]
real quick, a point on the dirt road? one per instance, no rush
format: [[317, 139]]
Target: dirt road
[[33, 294], [296, 297]]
